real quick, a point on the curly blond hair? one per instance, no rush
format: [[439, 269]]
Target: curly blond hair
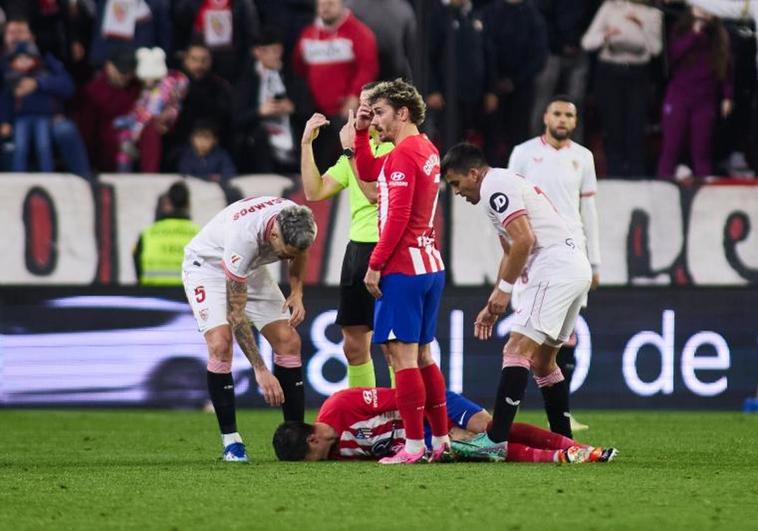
[[399, 93]]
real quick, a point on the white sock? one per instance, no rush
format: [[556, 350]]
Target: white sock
[[414, 446], [230, 438], [439, 441]]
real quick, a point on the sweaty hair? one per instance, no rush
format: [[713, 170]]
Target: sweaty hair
[[399, 94], [178, 195], [297, 226], [461, 158], [291, 440]]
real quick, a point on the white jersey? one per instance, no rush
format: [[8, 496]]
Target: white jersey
[[565, 175], [506, 195], [235, 240]]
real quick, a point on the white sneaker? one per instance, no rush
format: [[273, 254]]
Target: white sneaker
[[578, 426]]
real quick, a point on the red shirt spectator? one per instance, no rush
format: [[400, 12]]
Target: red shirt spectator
[[112, 93], [337, 56]]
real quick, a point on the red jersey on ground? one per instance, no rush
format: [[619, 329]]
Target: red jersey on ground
[[366, 421], [408, 189]]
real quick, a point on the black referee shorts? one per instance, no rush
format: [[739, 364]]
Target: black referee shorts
[[356, 303]]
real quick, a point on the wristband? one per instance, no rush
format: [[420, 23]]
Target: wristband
[[505, 286]]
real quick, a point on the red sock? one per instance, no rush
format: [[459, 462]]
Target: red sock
[[436, 404], [518, 453], [538, 438], [411, 396]]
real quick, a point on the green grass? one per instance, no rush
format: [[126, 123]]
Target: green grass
[[158, 470]]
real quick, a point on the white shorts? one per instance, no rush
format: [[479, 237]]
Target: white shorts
[[205, 287], [547, 304]]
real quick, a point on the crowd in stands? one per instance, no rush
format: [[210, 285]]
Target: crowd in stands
[[217, 88]]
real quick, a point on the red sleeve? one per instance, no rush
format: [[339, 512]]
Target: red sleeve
[[348, 406], [366, 58], [368, 166], [400, 171]]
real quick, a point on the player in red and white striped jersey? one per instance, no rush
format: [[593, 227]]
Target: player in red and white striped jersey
[[406, 273], [364, 423]]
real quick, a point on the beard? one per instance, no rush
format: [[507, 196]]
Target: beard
[[560, 135]]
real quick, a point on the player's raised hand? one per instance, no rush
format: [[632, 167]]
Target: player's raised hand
[[363, 117], [372, 282], [295, 304], [498, 302], [347, 133], [312, 127], [272, 390], [484, 323]]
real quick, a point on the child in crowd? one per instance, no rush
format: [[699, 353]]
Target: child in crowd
[[204, 158], [160, 101], [32, 96]]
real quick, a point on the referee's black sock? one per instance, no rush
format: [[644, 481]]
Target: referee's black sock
[[510, 392], [221, 389], [556, 398], [566, 361], [291, 380]]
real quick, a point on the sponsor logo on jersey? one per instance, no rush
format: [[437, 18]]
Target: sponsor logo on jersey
[[431, 162], [570, 243], [397, 176], [499, 202]]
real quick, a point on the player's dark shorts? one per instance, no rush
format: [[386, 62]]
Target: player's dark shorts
[[356, 303], [459, 411], [408, 308]]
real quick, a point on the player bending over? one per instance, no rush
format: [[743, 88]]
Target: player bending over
[[364, 423]]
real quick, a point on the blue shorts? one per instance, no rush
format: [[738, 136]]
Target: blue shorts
[[459, 411], [408, 308]]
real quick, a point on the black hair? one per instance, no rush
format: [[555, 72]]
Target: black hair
[[178, 195], [291, 440], [563, 98], [461, 158], [269, 35]]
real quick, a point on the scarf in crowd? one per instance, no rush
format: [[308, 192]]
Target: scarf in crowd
[[121, 17]]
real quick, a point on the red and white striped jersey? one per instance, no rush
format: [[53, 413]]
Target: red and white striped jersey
[[367, 423], [408, 190]]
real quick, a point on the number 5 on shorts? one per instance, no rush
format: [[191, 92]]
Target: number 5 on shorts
[[200, 294]]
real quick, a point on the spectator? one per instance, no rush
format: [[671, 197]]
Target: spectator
[[227, 27], [154, 113], [204, 158], [700, 82], [159, 252], [394, 25], [137, 23], [209, 98], [112, 93], [290, 16], [263, 110], [567, 64], [456, 71], [627, 34], [65, 135], [336, 55], [31, 97], [517, 48]]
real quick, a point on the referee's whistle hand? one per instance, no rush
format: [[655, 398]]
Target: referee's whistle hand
[[371, 280]]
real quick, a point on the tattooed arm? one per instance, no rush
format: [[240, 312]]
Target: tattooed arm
[[236, 298]]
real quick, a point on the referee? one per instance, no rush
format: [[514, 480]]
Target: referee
[[356, 309]]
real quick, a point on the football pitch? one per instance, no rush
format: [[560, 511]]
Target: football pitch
[[138, 469]]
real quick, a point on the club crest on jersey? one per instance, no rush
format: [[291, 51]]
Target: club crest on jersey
[[499, 202], [204, 314], [371, 398]]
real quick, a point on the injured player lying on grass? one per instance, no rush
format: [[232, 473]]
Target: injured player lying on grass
[[363, 423]]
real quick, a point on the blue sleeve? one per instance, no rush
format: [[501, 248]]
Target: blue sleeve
[[227, 166], [460, 409], [56, 82]]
